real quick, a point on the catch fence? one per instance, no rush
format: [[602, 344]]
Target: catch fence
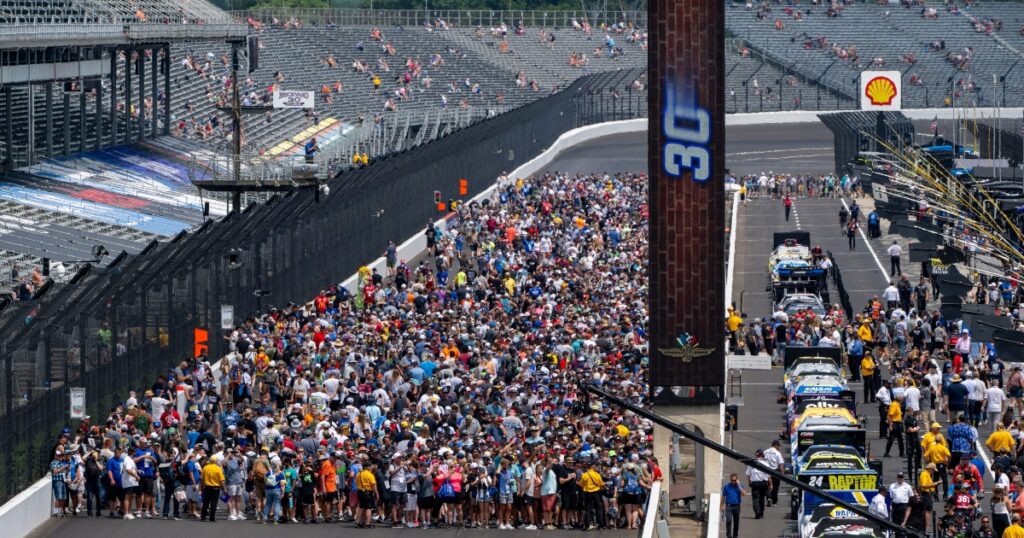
[[117, 328]]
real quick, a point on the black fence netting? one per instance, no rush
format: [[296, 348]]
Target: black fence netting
[[837, 279], [116, 328]]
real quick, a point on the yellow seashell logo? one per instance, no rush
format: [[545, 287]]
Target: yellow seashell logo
[[881, 91]]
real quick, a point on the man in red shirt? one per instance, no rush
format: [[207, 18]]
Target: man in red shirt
[[320, 302], [971, 475]]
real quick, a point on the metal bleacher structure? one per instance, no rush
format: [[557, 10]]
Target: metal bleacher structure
[[109, 165], [791, 37], [50, 208], [119, 176]]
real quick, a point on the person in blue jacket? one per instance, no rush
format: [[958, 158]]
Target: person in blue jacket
[[874, 225]]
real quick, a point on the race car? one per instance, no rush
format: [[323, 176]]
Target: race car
[[841, 471], [793, 303], [795, 355], [818, 452], [793, 266], [830, 521], [790, 254], [815, 385], [811, 405], [806, 427], [815, 431], [839, 415], [820, 366]]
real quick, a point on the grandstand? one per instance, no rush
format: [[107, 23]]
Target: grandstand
[[947, 53], [67, 155], [87, 161]]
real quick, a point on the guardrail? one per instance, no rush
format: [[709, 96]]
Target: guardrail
[[16, 33], [467, 18], [655, 513]]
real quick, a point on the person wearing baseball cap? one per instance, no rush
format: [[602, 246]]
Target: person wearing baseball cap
[[926, 482], [366, 490], [899, 494]]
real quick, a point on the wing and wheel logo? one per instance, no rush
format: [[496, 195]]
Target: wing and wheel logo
[[686, 349]]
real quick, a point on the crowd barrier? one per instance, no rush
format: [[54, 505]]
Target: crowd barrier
[[459, 18], [844, 295]]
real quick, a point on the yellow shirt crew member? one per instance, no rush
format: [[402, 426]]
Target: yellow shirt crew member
[[1000, 440], [365, 481], [895, 413], [864, 332], [932, 437], [733, 322], [591, 481], [1015, 530], [925, 481], [867, 366], [212, 475], [938, 454]]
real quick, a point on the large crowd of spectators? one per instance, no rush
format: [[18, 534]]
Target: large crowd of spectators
[[446, 392]]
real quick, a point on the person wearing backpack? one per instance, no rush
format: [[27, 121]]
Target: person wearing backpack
[[168, 473], [274, 486], [445, 496], [260, 468], [631, 494]]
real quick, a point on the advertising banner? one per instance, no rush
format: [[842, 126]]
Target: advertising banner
[[77, 402], [293, 99], [881, 90]]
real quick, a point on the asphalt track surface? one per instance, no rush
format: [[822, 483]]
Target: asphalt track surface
[[792, 147], [761, 418], [786, 148], [804, 147]]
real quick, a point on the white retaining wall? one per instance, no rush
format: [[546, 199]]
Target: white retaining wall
[[27, 510]]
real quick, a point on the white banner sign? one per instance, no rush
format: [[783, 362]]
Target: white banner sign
[[77, 403], [227, 316], [292, 99], [748, 362], [881, 90]]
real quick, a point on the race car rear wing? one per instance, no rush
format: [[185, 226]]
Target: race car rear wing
[[801, 237], [793, 353]]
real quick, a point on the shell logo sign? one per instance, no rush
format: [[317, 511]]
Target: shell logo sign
[[881, 90]]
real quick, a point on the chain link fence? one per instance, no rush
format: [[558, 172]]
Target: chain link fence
[[460, 18]]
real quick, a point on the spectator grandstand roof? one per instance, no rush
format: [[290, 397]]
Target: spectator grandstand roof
[[27, 23]]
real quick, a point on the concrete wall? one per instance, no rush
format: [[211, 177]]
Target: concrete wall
[[27, 510], [811, 116]]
